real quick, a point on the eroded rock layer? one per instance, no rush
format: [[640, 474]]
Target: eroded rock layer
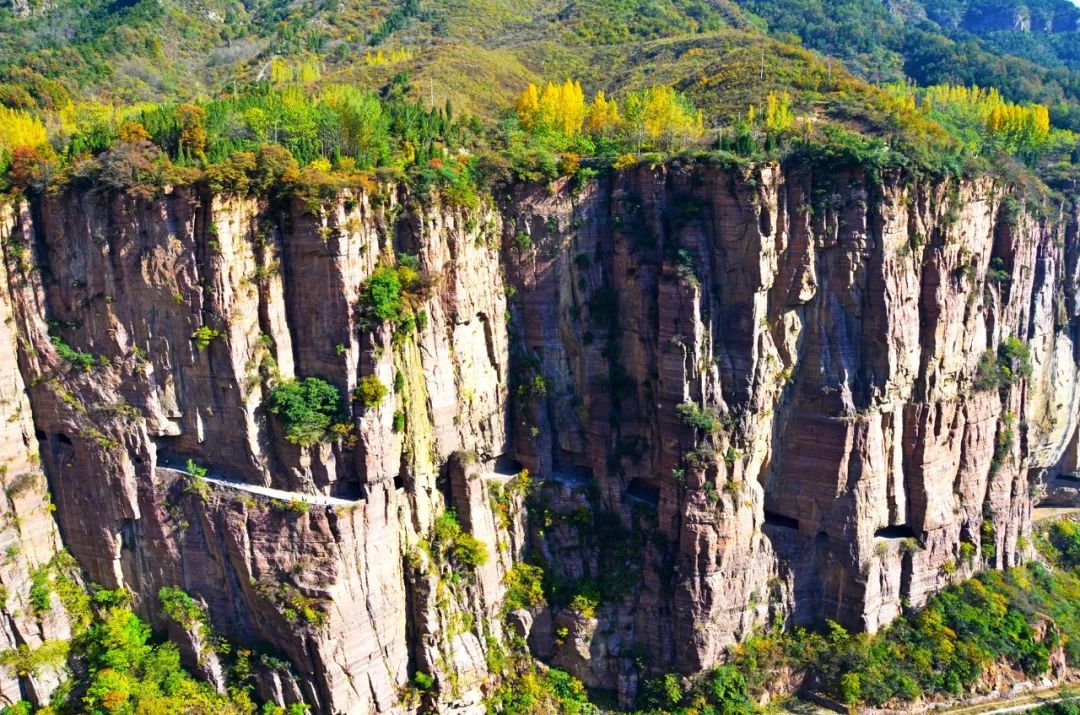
[[742, 396]]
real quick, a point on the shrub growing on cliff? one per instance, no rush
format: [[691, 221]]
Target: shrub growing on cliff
[[986, 372], [388, 291], [371, 392], [1014, 360], [1008, 367], [180, 607], [203, 336], [307, 408], [450, 541], [1003, 442], [383, 293], [77, 358], [524, 587], [698, 418], [26, 661], [527, 690]]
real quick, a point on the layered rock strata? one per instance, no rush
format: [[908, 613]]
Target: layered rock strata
[[743, 395]]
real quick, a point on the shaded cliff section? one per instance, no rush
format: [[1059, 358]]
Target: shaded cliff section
[[770, 378], [744, 396]]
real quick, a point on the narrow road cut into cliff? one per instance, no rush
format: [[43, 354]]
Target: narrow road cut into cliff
[[1042, 513], [270, 493]]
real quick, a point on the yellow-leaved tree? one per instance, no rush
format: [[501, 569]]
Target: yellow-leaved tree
[[559, 107], [19, 129], [778, 114], [663, 118], [1016, 128], [603, 116], [528, 107]]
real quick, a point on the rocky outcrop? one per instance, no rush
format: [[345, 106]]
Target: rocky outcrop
[[742, 395], [995, 17]]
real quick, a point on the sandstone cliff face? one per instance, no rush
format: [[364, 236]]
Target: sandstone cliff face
[[323, 588], [28, 534], [829, 326], [835, 326]]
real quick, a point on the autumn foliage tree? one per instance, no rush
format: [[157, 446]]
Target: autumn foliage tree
[[192, 120], [603, 116], [778, 114], [983, 120], [657, 117], [22, 136], [662, 118], [558, 107], [1019, 130]]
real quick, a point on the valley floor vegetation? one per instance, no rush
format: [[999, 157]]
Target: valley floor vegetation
[[115, 665], [1013, 620]]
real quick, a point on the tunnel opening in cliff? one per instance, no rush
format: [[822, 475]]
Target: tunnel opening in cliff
[[505, 464], [785, 522], [895, 531], [353, 490], [643, 493]]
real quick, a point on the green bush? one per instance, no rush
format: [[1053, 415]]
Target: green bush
[[527, 690], [424, 681], [121, 670], [77, 358], [180, 607], [470, 551], [307, 408], [585, 604], [661, 693], [698, 418], [461, 548], [203, 335], [371, 392], [24, 660], [383, 294], [389, 292], [1062, 543], [725, 689], [1003, 442], [1008, 367], [987, 377], [524, 587], [1014, 360]]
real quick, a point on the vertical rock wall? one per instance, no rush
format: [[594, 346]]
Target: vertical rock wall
[[744, 395], [324, 585], [831, 327], [31, 612]]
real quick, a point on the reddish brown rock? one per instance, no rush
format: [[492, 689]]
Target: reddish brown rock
[[827, 325]]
